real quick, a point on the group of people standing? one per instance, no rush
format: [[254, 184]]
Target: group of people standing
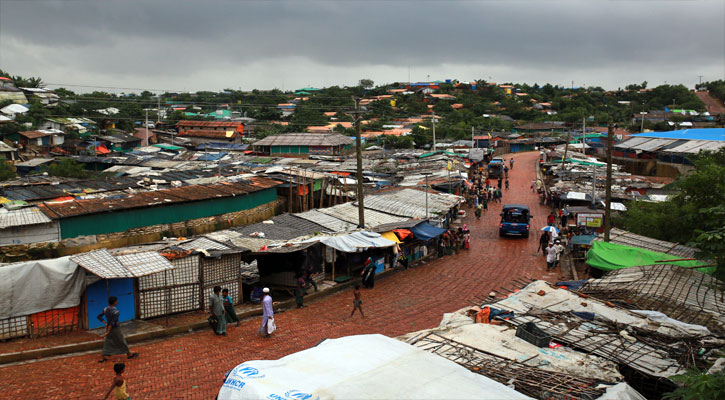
[[221, 308]]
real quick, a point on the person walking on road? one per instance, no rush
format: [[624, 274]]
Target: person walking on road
[[506, 172], [309, 274], [357, 301], [551, 253], [300, 292], [118, 386], [478, 210], [368, 274], [559, 251], [551, 219], [267, 313], [543, 241], [507, 184], [216, 308], [113, 340], [511, 162], [230, 314]]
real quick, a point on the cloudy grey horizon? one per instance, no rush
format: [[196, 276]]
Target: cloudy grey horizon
[[213, 45]]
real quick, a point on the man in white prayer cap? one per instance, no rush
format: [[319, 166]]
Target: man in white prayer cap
[[267, 313]]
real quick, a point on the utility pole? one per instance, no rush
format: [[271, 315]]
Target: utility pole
[[700, 76], [358, 151], [472, 141], [426, 196], [584, 131], [608, 195], [158, 109], [642, 114], [434, 130], [566, 147], [147, 127]]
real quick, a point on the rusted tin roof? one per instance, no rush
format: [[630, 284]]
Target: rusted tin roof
[[183, 194]]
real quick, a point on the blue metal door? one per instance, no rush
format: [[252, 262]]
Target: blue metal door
[[97, 299]]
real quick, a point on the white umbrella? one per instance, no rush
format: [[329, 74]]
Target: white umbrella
[[551, 229]]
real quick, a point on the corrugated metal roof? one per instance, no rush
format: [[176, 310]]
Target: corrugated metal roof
[[284, 227], [23, 216], [694, 146], [411, 202], [329, 222], [305, 139], [653, 145], [203, 243], [145, 199], [105, 265], [349, 212], [628, 144]]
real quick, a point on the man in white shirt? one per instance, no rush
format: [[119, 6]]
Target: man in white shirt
[[559, 251], [551, 253]]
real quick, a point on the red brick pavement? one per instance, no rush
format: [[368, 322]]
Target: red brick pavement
[[192, 366]]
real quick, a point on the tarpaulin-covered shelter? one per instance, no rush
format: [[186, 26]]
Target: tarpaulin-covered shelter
[[37, 297], [363, 366], [425, 231], [611, 256], [116, 278]]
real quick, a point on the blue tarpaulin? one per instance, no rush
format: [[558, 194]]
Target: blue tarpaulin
[[425, 231], [583, 239], [716, 134]]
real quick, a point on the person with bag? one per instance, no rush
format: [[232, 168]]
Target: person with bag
[[268, 325], [216, 309]]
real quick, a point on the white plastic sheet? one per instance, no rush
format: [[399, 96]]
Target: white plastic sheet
[[357, 241], [35, 286], [356, 367]]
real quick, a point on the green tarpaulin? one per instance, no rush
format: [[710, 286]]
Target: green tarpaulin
[[612, 256]]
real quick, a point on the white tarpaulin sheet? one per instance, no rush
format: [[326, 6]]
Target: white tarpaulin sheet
[[34, 286], [356, 367], [357, 241]]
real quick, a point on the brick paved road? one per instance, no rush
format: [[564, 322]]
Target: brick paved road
[[192, 366]]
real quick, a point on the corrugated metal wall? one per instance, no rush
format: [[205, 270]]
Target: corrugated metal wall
[[135, 218], [30, 234]]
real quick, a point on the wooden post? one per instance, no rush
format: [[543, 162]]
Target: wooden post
[[333, 264], [168, 297]]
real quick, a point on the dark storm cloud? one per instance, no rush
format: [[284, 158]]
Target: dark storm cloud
[[171, 41]]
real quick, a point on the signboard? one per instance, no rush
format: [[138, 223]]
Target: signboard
[[590, 220], [475, 155]]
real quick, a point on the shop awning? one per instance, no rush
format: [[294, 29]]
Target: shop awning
[[425, 231], [390, 236]]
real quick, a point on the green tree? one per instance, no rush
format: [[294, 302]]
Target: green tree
[[67, 167], [695, 215], [698, 385], [6, 171], [366, 83]]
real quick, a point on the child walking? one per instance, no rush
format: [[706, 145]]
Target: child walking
[[357, 301], [118, 387]]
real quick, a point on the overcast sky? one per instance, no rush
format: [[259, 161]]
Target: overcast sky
[[211, 45]]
